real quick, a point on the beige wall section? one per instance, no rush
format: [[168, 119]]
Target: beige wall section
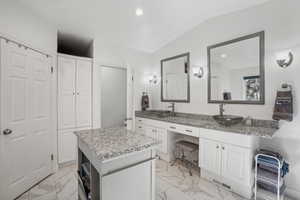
[[280, 20]]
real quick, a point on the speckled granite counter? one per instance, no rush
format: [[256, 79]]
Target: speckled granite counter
[[114, 142], [260, 128]]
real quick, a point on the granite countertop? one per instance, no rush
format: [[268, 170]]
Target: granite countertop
[[111, 143], [260, 128]]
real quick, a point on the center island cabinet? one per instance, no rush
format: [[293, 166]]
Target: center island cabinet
[[115, 163]]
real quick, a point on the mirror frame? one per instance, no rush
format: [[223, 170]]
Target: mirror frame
[[188, 78], [261, 36]]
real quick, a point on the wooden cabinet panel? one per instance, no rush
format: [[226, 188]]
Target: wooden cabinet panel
[[66, 90], [67, 146], [83, 93], [234, 163], [210, 155]]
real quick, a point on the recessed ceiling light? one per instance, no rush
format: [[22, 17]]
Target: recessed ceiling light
[[223, 55], [139, 12]]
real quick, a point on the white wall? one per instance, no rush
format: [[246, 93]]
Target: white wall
[[280, 20], [21, 24]]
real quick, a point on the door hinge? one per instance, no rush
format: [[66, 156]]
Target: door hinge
[[52, 157], [52, 69]]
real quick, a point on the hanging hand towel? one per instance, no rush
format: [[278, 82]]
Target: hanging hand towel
[[283, 109]]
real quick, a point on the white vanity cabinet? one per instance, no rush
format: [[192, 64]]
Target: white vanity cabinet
[[227, 158], [224, 157], [228, 161], [155, 129]]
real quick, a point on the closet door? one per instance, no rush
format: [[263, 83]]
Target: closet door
[[83, 93], [66, 87], [25, 153]]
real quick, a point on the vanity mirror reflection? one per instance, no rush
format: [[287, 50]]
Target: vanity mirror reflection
[[236, 70], [175, 84]]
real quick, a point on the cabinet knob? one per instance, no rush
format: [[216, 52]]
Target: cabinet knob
[[223, 148], [217, 146]]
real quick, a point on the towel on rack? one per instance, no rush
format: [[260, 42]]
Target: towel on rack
[[271, 164], [271, 188], [283, 109], [268, 177]]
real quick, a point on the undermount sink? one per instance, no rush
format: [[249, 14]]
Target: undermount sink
[[228, 120]]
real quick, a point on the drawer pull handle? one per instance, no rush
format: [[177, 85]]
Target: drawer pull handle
[[172, 127], [189, 131], [140, 127]]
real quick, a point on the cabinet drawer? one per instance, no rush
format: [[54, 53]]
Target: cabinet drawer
[[139, 120], [140, 128], [186, 130], [247, 141]]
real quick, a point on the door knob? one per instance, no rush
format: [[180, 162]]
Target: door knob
[[7, 132]]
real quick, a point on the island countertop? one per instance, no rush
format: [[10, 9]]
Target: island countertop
[[260, 128], [114, 142]]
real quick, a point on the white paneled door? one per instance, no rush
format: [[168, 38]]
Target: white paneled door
[[25, 152], [83, 92], [67, 93]]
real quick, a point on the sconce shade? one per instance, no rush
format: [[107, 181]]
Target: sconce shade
[[285, 59], [198, 72]]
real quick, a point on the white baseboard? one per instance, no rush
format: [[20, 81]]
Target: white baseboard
[[293, 194]]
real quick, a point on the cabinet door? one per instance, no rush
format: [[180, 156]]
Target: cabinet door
[[234, 163], [66, 92], [83, 93], [140, 128], [162, 136], [210, 155], [133, 183], [67, 146], [150, 131]]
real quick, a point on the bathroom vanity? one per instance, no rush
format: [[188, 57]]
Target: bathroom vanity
[[225, 153], [115, 163]]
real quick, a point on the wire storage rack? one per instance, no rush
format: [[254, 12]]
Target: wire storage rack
[[269, 178]]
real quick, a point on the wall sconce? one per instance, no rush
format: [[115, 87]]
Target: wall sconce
[[153, 79], [198, 72], [285, 59]]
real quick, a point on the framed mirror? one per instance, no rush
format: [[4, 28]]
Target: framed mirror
[[175, 78], [236, 70]]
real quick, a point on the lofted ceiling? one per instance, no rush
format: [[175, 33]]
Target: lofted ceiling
[[115, 21]]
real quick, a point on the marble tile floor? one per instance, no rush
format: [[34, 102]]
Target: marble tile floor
[[172, 183]]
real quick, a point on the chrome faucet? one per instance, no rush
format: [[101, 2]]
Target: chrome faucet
[[221, 109], [173, 108]]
